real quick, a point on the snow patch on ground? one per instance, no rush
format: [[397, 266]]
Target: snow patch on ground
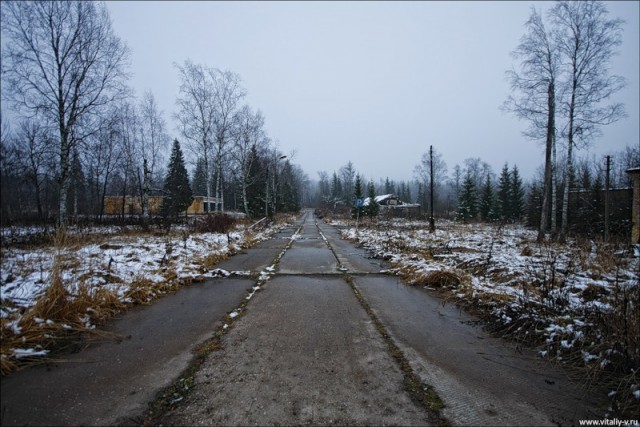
[[117, 263], [503, 268]]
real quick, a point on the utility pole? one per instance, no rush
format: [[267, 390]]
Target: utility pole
[[432, 222], [606, 200], [266, 193]]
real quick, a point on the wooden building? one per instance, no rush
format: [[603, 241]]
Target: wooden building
[[131, 205]]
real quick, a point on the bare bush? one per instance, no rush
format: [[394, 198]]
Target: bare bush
[[218, 223]]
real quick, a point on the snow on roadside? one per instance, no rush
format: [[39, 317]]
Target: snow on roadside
[[499, 261], [553, 294], [116, 263]]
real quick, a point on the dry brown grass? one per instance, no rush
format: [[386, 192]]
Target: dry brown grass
[[433, 279], [442, 279], [210, 261], [66, 312], [67, 315]]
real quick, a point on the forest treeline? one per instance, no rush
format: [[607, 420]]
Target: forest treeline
[[78, 133], [474, 191]]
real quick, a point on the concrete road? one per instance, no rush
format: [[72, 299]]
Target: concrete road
[[305, 351]]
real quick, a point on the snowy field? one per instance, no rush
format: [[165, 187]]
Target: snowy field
[[575, 303], [101, 271]]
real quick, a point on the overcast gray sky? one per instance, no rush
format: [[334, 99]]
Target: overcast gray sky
[[371, 82]]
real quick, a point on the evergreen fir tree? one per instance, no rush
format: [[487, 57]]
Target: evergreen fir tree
[[255, 185], [467, 202], [516, 195], [405, 192], [372, 209], [422, 198], [389, 187], [487, 207], [336, 189], [199, 181], [585, 179], [534, 205], [597, 204], [289, 198], [504, 194], [589, 206], [178, 196], [357, 193]]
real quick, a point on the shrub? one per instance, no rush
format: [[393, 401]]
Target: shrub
[[213, 223]]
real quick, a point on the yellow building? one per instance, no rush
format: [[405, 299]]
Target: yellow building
[[113, 205]]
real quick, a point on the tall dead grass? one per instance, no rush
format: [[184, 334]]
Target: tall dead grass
[[67, 312], [58, 318]]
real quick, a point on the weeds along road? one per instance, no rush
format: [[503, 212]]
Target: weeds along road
[[327, 340]]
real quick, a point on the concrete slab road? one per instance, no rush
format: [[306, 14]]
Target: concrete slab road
[[327, 340], [307, 352]]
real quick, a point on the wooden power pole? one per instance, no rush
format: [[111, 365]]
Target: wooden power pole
[[606, 200], [432, 221]]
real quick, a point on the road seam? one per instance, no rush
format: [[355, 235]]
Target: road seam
[[169, 397], [421, 393]]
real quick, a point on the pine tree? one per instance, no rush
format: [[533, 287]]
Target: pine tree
[[199, 181], [372, 209], [487, 201], [178, 196], [516, 195], [358, 195], [467, 202], [504, 194]]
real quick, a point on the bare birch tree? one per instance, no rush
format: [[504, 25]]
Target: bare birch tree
[[535, 99], [103, 157], [127, 134], [248, 133], [587, 39], [63, 62], [34, 148], [153, 140], [422, 172], [348, 175], [196, 113], [227, 94]]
